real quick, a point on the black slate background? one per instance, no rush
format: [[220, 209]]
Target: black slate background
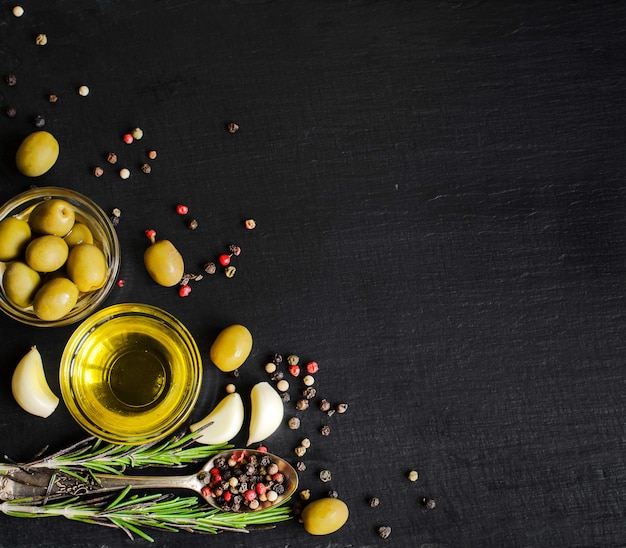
[[439, 196]]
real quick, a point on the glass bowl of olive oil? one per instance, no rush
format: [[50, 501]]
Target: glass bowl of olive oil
[[130, 374]]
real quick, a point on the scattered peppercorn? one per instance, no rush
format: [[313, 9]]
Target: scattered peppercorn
[[300, 451], [333, 494], [305, 495], [306, 443], [230, 271], [308, 380], [112, 158], [325, 430], [250, 224], [374, 502], [429, 503], [121, 283], [146, 168], [312, 368], [18, 11], [117, 212], [294, 423], [325, 476], [232, 127], [128, 138], [330, 412], [184, 290], [277, 376], [152, 154], [324, 405], [292, 359], [41, 39], [11, 79], [384, 531], [39, 121], [235, 250], [282, 385], [230, 388], [300, 466], [234, 373], [294, 370], [342, 407], [83, 91], [192, 224], [210, 268], [124, 173], [277, 359], [182, 209], [413, 475], [309, 392], [301, 405], [11, 112], [53, 98], [270, 367], [285, 397], [98, 171], [137, 133]]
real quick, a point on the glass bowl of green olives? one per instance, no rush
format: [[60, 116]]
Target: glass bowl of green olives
[[59, 257], [130, 374]]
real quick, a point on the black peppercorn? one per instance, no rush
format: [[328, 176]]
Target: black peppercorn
[[146, 168], [11, 112], [429, 503], [232, 127], [384, 531], [333, 494], [277, 359], [11, 79], [325, 430], [192, 224], [39, 121], [374, 502], [53, 98]]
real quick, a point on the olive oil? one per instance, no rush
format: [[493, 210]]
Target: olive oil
[[130, 373]]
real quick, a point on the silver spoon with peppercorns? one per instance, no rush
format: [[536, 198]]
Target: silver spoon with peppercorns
[[238, 480]]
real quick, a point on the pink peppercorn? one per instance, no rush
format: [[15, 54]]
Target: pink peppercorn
[[262, 448], [249, 495], [312, 367], [224, 259], [227, 495], [182, 209], [206, 491], [294, 370], [120, 283], [260, 488], [128, 138], [184, 290]]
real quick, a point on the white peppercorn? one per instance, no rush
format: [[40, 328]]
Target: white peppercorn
[[18, 11], [270, 368], [413, 475], [306, 443], [282, 385], [342, 407], [324, 405], [301, 405], [294, 423], [124, 173], [300, 451], [325, 476], [83, 91], [308, 380], [230, 388], [41, 39], [305, 495]]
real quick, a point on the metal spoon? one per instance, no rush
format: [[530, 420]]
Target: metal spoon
[[46, 484]]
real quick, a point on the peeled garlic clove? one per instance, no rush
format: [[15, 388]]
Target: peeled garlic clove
[[266, 413], [30, 388], [226, 419]]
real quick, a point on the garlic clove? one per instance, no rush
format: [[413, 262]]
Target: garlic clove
[[226, 418], [266, 413], [30, 388]]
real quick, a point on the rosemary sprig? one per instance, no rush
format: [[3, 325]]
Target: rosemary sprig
[[133, 514], [93, 455]]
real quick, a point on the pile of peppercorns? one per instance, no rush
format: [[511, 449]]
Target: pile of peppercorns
[[245, 479], [280, 370]]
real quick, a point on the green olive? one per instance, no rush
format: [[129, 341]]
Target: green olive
[[87, 267], [46, 253], [54, 216], [80, 234], [231, 347], [324, 516], [55, 299], [164, 263], [37, 154], [14, 237], [20, 283]]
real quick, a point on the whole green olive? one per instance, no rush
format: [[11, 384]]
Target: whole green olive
[[87, 267], [55, 299], [14, 237], [231, 347], [324, 516], [20, 283], [38, 152], [164, 263], [46, 253]]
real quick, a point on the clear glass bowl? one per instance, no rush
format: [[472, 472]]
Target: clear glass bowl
[[104, 236], [130, 374]]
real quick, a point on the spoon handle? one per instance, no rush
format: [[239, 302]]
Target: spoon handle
[[111, 482]]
